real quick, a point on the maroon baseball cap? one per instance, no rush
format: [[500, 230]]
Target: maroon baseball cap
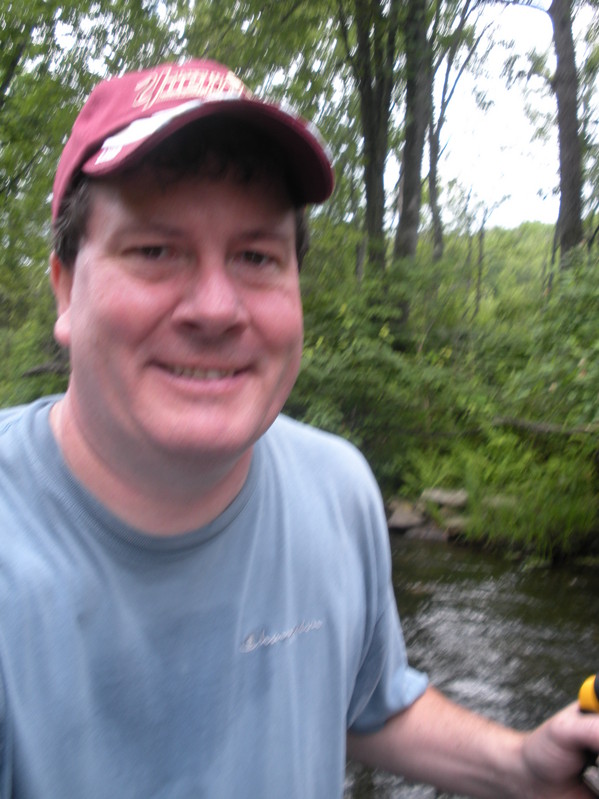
[[126, 117]]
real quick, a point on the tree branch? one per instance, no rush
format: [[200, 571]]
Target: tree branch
[[10, 73]]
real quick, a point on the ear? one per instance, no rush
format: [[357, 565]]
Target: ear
[[61, 279]]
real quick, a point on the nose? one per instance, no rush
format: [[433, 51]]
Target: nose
[[211, 299]]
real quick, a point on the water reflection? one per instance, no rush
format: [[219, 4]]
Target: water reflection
[[507, 640]]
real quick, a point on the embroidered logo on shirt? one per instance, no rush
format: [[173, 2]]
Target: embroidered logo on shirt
[[256, 640]]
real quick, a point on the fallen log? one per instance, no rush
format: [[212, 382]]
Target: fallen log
[[545, 428]]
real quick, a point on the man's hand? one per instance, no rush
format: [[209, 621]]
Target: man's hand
[[556, 752], [438, 742]]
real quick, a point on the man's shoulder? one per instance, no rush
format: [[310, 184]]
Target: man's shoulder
[[311, 438], [10, 416], [325, 482], [20, 428], [15, 415], [312, 448]]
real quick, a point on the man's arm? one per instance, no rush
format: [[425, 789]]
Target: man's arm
[[440, 743]]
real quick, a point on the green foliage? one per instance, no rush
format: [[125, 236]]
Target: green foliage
[[362, 376], [547, 504], [560, 380], [520, 496], [30, 362], [440, 393]]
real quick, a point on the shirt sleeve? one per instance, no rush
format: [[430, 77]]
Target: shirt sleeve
[[385, 684]]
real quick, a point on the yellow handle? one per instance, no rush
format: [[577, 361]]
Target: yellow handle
[[587, 696]]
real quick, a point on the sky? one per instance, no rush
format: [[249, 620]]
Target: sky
[[492, 153]]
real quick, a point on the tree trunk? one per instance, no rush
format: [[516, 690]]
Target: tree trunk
[[375, 126], [372, 62], [433, 190], [418, 113], [565, 85], [479, 267]]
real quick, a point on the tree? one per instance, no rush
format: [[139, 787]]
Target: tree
[[419, 89], [565, 86], [453, 33], [370, 31], [588, 74], [434, 38]]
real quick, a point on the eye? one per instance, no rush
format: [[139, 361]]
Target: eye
[[256, 258], [153, 259], [155, 252], [264, 262]]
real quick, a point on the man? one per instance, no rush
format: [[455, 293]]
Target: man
[[194, 591]]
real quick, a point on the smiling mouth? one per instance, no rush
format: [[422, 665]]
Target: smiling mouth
[[201, 374]]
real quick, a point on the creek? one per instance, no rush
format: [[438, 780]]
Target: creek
[[510, 640]]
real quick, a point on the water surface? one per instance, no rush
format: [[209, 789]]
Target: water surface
[[509, 640]]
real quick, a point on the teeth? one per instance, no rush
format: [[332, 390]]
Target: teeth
[[202, 374]]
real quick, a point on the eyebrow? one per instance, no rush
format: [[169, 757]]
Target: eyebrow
[[274, 232], [134, 226], [270, 232]]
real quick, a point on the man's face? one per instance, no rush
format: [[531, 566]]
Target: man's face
[[183, 316]]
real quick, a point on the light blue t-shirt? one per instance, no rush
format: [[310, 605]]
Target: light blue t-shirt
[[223, 663]]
